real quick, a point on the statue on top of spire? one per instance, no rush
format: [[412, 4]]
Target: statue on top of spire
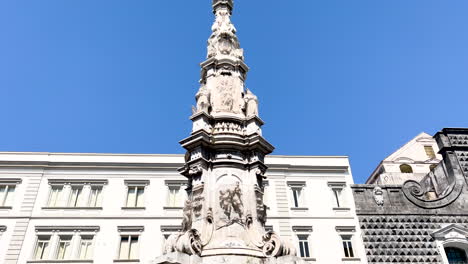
[[223, 40]]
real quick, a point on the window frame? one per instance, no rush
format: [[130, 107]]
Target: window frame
[[135, 184], [430, 152], [56, 234], [181, 196], [347, 238], [67, 253], [297, 187], [42, 239], [91, 239], [66, 194], [129, 231], [78, 200], [348, 248], [7, 199], [98, 201], [303, 234], [338, 190], [58, 198], [406, 168]]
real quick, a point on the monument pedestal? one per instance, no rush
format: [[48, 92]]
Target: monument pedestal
[[182, 258]]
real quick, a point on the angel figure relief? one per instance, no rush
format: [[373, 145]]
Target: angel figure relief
[[230, 201]]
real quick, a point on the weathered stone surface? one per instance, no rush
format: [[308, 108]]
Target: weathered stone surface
[[177, 258], [406, 223]]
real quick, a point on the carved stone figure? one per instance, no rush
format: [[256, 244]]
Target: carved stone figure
[[251, 104], [202, 97], [231, 200], [378, 196]]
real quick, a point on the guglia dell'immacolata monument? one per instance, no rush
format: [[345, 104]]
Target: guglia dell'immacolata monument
[[224, 216]]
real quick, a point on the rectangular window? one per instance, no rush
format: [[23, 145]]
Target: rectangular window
[[55, 196], [86, 248], [348, 247], [304, 246], [64, 248], [129, 247], [42, 248], [173, 199], [337, 195], [297, 196], [76, 196], [6, 194], [430, 152], [95, 196], [135, 197]]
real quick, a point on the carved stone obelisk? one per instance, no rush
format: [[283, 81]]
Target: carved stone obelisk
[[224, 216]]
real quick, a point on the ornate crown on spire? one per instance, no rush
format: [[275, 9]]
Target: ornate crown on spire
[[222, 90], [220, 3]]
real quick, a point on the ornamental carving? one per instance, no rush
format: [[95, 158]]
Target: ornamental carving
[[187, 214], [230, 201], [195, 170], [188, 242], [223, 40], [260, 206], [197, 200], [276, 247], [378, 196], [231, 127]]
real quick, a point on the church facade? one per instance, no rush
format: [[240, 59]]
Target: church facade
[[422, 221]]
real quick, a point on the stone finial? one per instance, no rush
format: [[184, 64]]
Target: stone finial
[[223, 3]]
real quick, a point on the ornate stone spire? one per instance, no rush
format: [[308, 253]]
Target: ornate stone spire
[[224, 216], [223, 74]]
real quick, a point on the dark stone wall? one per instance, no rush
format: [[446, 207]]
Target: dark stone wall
[[398, 221]]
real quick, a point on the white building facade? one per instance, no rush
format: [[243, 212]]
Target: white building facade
[[111, 208]]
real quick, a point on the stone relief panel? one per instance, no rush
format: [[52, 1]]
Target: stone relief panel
[[197, 200], [230, 202], [260, 206], [226, 94]]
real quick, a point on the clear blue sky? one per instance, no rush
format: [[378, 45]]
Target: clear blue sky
[[334, 77]]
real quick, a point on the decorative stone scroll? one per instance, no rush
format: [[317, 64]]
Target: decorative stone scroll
[[188, 243], [275, 247]]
